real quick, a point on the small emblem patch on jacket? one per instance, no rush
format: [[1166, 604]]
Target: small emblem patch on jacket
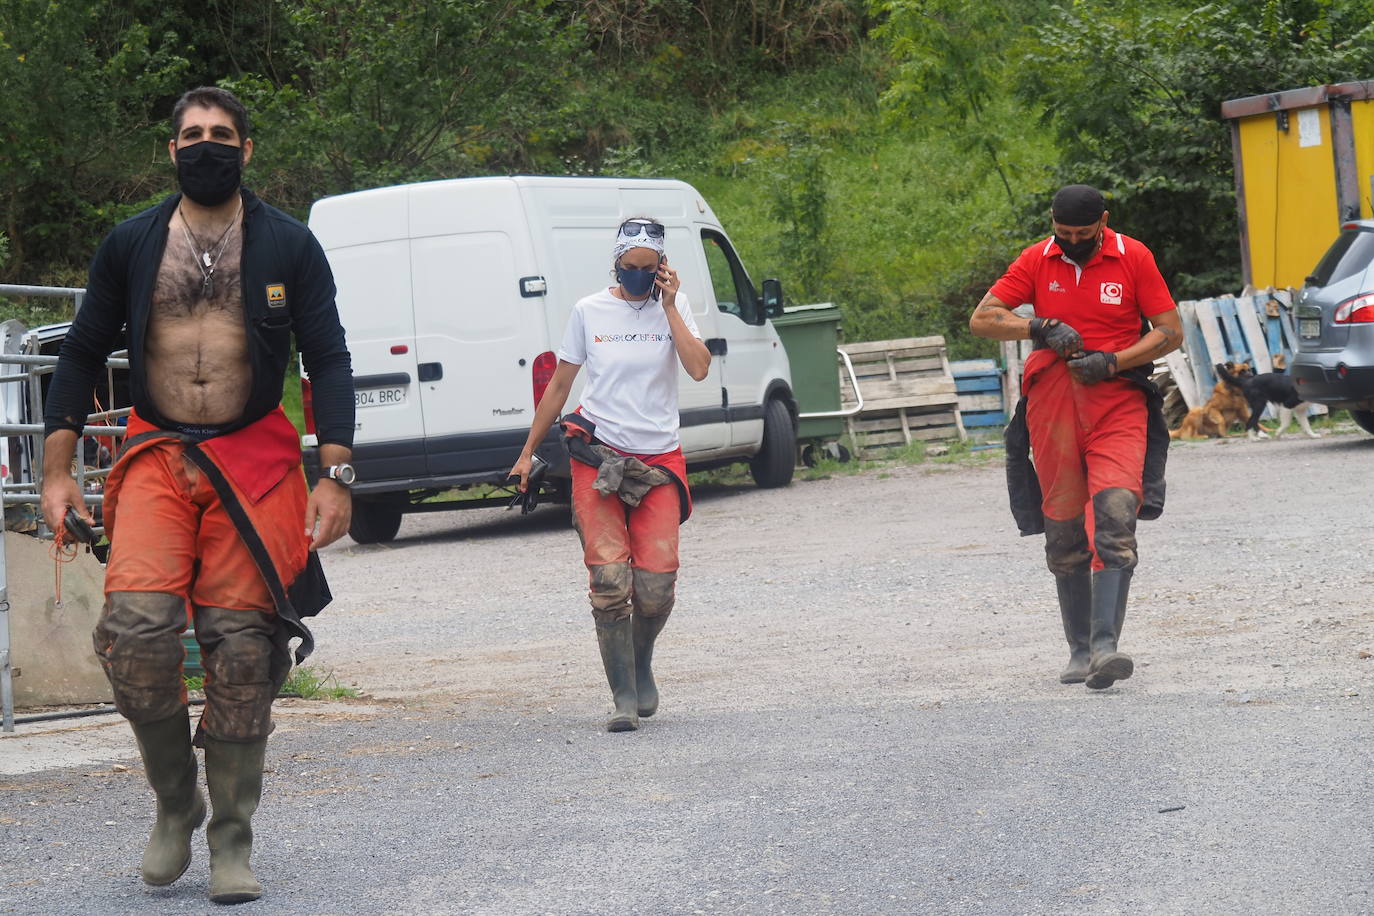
[[276, 295]]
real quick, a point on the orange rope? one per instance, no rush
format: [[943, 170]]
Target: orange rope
[[61, 551]]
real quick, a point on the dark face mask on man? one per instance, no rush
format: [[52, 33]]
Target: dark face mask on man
[[1077, 251], [209, 172]]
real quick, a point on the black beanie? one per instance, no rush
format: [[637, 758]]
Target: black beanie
[[1077, 205]]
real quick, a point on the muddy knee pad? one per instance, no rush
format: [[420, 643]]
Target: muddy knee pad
[[1066, 546], [138, 642], [610, 591], [654, 593], [245, 657], [1114, 517]]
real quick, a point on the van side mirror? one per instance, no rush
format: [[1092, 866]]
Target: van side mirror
[[772, 298]]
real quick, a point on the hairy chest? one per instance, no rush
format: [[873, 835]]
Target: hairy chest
[[195, 283]]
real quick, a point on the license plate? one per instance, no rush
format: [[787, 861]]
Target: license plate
[[1309, 327], [379, 397]]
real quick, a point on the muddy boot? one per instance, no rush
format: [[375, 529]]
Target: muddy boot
[[646, 630], [233, 771], [618, 655], [1110, 588], [1075, 610], [171, 767]]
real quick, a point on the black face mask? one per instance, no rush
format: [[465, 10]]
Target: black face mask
[[209, 172], [1077, 251]]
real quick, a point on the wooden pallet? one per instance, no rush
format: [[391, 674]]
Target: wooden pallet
[[979, 383], [1242, 329], [909, 393]]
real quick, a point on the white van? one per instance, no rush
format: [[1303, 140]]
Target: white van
[[455, 294]]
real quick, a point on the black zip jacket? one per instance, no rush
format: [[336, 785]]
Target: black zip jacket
[[288, 290], [1023, 486]]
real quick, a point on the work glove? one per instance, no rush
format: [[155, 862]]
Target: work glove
[[1055, 334], [1092, 366], [528, 500]]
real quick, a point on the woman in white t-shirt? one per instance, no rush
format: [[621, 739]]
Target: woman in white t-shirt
[[629, 480]]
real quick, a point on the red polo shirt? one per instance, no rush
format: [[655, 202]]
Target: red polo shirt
[[1103, 301]]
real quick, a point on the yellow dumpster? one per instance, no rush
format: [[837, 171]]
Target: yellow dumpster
[[1304, 162]]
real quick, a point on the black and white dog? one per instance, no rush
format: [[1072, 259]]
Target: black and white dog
[[1269, 388]]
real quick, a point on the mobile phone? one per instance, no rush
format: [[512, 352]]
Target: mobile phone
[[76, 527], [654, 292]]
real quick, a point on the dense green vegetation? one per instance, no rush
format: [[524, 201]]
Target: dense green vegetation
[[890, 156]]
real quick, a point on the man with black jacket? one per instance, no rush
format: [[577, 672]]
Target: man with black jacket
[[214, 518], [1089, 413]]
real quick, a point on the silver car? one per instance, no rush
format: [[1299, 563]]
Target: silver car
[[1334, 364]]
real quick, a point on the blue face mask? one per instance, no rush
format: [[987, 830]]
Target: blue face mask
[[637, 283]]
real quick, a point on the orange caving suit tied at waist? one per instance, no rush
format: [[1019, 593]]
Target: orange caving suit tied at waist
[[171, 529]]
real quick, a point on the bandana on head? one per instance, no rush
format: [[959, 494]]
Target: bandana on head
[[624, 243]]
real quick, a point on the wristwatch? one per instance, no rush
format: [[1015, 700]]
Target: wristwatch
[[341, 473]]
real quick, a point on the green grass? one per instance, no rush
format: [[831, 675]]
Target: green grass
[[312, 684], [306, 682]]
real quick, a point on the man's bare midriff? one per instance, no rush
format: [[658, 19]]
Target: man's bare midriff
[[196, 348]]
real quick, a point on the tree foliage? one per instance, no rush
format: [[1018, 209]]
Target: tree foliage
[[77, 138], [887, 155], [954, 60], [1135, 99]]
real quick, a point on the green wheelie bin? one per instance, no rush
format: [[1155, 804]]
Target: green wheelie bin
[[811, 336]]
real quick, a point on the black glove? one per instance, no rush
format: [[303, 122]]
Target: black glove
[[1092, 366], [1055, 334], [528, 500]]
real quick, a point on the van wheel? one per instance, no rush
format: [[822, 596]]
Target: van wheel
[[374, 522], [1364, 418], [777, 458]]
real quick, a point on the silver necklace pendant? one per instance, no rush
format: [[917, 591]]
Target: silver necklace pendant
[[205, 259]]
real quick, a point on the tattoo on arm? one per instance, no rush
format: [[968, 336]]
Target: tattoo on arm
[[1167, 343], [992, 312]]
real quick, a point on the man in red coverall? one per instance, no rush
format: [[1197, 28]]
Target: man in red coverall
[[1091, 412]]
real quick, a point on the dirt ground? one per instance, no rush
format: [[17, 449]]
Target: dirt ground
[[860, 714], [1249, 581]]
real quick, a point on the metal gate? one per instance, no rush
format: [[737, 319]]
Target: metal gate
[[22, 364]]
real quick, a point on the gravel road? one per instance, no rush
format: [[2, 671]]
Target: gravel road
[[860, 715]]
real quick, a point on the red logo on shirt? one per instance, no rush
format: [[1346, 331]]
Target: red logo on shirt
[[1111, 293]]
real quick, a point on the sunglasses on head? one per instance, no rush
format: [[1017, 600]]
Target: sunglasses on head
[[631, 228]]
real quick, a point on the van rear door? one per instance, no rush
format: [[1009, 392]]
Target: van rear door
[[364, 238], [476, 332]]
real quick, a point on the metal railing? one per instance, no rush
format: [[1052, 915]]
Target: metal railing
[[26, 489], [45, 292], [848, 411]]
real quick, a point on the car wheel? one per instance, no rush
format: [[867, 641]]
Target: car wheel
[[777, 458], [374, 522], [1364, 418]]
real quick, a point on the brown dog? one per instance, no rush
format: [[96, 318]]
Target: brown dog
[[1226, 407]]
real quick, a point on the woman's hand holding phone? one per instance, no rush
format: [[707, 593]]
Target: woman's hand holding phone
[[667, 281]]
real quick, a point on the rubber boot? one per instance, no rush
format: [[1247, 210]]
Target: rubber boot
[[233, 772], [646, 630], [1110, 589], [618, 655], [171, 767], [1075, 610]]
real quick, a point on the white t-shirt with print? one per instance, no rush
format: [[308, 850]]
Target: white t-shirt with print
[[632, 369]]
